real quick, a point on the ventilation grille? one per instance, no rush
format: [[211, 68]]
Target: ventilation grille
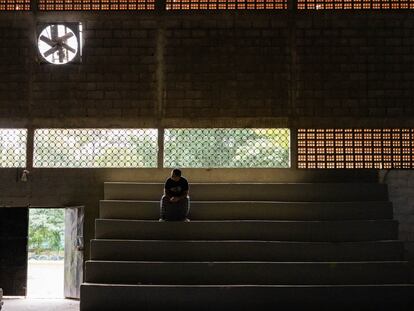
[[226, 4], [15, 5], [355, 148], [13, 147], [227, 148], [354, 4], [95, 148], [96, 5]]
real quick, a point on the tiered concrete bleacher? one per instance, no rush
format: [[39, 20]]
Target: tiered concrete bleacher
[[330, 246], [1, 298]]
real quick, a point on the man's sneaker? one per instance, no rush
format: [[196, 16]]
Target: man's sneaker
[[187, 220], [161, 220]]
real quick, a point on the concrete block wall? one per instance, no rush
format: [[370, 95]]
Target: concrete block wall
[[306, 68], [227, 66], [401, 193], [354, 66], [15, 55], [193, 69]]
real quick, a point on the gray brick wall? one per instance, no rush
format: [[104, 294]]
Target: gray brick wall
[[302, 69], [114, 79], [356, 65], [296, 69], [15, 59], [227, 67], [401, 193]]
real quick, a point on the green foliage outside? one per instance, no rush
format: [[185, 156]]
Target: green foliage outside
[[227, 148], [96, 148], [46, 230], [186, 148]]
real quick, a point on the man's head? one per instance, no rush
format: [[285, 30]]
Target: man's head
[[176, 174]]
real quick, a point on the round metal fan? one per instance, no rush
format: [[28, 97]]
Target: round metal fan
[[58, 44]]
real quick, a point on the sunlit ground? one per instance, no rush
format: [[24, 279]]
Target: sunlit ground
[[45, 279], [34, 304]]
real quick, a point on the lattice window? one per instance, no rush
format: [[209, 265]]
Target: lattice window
[[13, 147], [14, 5], [96, 5], [225, 4], [227, 148], [96, 148], [356, 148], [354, 4]]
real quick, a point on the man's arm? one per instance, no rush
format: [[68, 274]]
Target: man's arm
[[184, 195], [185, 191], [179, 198], [168, 193]]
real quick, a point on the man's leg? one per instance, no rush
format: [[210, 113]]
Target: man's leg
[[183, 208], [187, 206], [163, 206], [176, 211]]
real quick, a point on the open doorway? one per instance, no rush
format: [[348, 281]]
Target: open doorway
[[55, 252], [46, 251]]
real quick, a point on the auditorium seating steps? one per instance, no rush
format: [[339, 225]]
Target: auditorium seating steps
[[248, 246]]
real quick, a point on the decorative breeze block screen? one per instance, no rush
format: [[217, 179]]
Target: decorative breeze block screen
[[226, 4], [227, 148], [78, 148], [15, 5], [356, 148], [354, 4], [13, 147], [96, 5]]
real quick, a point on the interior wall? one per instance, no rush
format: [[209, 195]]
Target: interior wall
[[193, 69], [155, 69], [401, 192]]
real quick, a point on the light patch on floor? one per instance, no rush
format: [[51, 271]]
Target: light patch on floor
[[45, 279], [29, 304]]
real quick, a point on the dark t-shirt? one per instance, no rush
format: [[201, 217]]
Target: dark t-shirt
[[176, 188]]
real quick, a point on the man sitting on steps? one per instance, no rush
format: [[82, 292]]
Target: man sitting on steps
[[175, 203]]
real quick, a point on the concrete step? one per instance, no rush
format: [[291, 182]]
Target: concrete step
[[250, 210], [133, 250], [307, 192], [332, 231], [259, 273], [104, 297]]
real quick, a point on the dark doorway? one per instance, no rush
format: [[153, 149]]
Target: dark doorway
[[13, 250]]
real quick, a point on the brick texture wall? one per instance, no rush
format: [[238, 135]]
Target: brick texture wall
[[15, 58], [401, 193], [227, 67], [302, 69], [354, 65], [296, 69]]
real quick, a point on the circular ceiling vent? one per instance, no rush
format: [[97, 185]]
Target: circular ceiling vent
[[58, 44]]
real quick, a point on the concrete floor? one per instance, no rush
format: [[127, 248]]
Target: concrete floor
[[31, 304]]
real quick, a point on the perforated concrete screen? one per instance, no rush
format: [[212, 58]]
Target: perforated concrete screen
[[356, 148], [13, 147], [134, 5], [354, 4], [14, 5], [226, 4], [96, 5], [227, 148], [95, 148]]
